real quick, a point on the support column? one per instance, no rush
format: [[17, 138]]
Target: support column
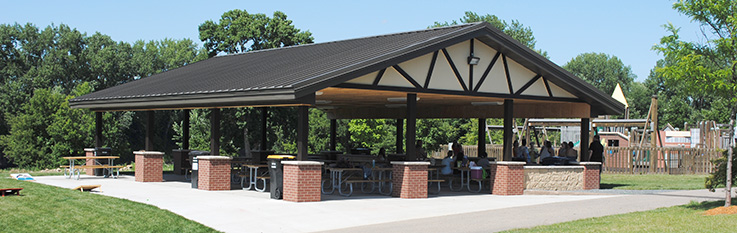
[[400, 136], [508, 178], [411, 126], [508, 134], [264, 121], [149, 131], [98, 129], [302, 181], [185, 129], [481, 136], [303, 129], [591, 173], [215, 131], [214, 173], [409, 179], [333, 133], [149, 166], [585, 124]]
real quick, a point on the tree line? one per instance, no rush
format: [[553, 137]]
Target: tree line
[[40, 70]]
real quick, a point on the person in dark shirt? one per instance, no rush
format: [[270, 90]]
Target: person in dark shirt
[[596, 150]]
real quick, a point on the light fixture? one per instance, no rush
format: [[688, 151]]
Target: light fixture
[[473, 60], [395, 105], [319, 93], [399, 99], [486, 103], [323, 101], [326, 107]]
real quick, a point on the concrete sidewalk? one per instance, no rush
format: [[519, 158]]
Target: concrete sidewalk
[[251, 211]]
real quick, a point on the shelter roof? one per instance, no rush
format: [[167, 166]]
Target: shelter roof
[[293, 75]]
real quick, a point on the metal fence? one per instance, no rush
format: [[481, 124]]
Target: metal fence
[[632, 160]]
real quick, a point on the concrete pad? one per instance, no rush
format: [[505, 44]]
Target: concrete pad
[[251, 211]]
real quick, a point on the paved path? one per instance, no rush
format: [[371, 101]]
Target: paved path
[[250, 211]]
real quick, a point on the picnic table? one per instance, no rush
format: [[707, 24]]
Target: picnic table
[[73, 167], [344, 178], [466, 180], [254, 176]]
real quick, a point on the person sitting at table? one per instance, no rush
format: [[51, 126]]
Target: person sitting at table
[[523, 153], [458, 155], [546, 150], [563, 151], [571, 153], [515, 148], [447, 163], [483, 160], [420, 153]]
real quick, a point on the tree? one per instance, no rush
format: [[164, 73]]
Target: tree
[[515, 29], [601, 70], [708, 68], [238, 31]]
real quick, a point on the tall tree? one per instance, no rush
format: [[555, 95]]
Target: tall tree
[[708, 67], [601, 70], [238, 31]]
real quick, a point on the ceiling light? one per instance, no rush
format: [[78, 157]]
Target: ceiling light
[[319, 93], [326, 107], [486, 103], [399, 99], [395, 105], [473, 60], [323, 101]]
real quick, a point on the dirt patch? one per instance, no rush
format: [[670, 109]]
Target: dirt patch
[[721, 210]]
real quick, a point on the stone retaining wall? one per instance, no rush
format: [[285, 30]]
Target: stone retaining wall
[[554, 178]]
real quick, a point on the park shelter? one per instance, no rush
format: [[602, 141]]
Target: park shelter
[[464, 71]]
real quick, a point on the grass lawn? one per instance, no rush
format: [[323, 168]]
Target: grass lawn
[[652, 182], [43, 208], [685, 218]]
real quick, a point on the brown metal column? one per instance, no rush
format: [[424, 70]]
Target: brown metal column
[[508, 134], [400, 136], [264, 121], [98, 129], [149, 130], [185, 129], [481, 136], [411, 126], [333, 133], [584, 139], [215, 131], [303, 129]]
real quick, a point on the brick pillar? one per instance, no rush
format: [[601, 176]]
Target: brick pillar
[[149, 166], [508, 178], [302, 181], [591, 175], [409, 179], [214, 173], [89, 152]]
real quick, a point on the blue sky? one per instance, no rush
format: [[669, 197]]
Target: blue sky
[[627, 28]]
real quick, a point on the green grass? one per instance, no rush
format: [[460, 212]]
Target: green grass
[[43, 208], [685, 218], [652, 182]]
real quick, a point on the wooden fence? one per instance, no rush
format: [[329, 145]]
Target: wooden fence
[[661, 160], [631, 160]]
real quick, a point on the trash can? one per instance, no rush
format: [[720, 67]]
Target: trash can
[[102, 151], [277, 174], [195, 165]]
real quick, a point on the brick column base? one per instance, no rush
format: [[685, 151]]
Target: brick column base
[[89, 152], [409, 179], [508, 178], [214, 173], [591, 175], [302, 181], [149, 166]]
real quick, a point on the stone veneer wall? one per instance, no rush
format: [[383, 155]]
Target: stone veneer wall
[[554, 178]]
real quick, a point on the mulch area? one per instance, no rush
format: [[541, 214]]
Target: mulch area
[[721, 210]]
